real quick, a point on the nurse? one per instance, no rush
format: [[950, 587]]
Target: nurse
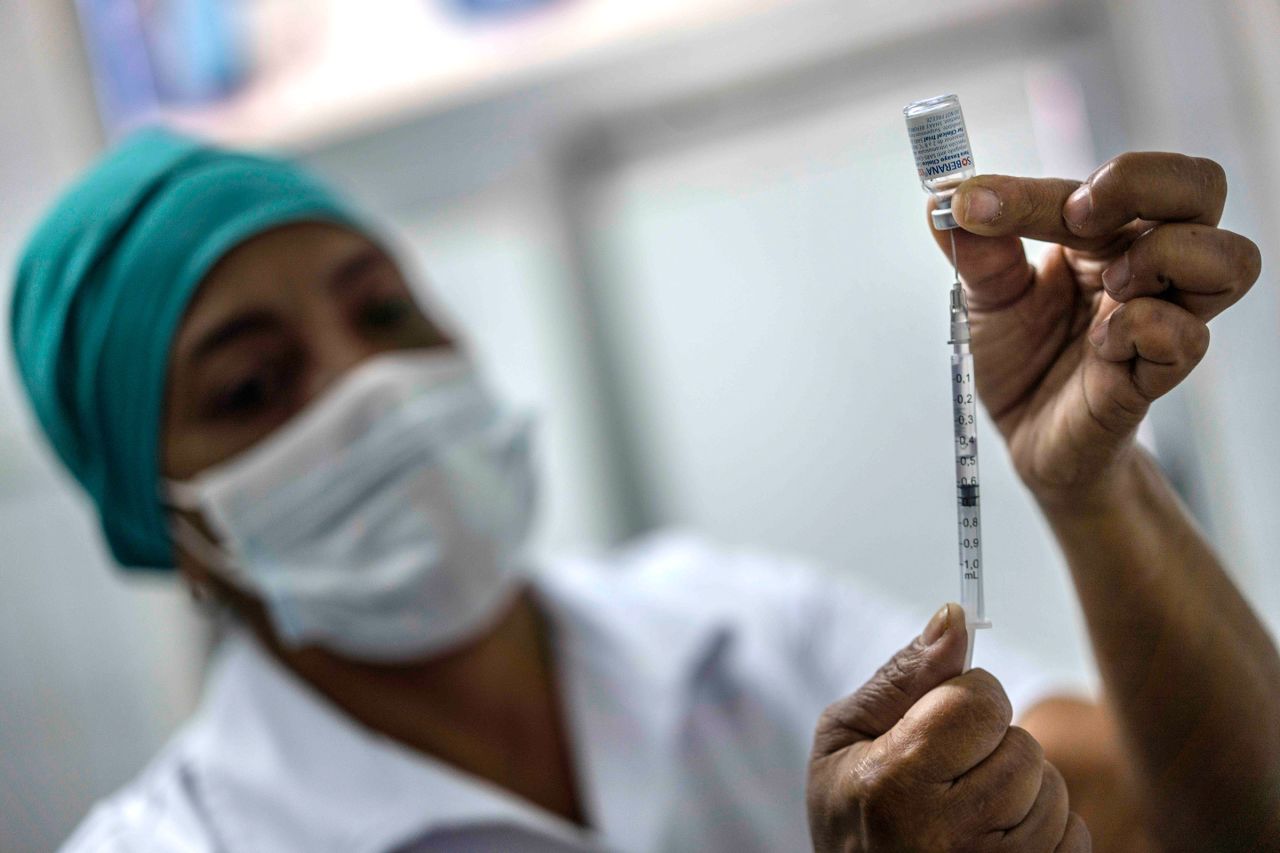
[[236, 371]]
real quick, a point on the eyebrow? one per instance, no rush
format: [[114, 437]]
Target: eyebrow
[[251, 322], [351, 269], [228, 332]]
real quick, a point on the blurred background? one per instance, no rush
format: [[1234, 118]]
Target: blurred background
[[690, 234]]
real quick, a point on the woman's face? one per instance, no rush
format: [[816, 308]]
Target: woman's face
[[273, 325]]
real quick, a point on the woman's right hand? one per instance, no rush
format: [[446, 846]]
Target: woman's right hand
[[923, 758]]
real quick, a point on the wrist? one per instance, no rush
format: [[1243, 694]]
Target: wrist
[[1116, 489]]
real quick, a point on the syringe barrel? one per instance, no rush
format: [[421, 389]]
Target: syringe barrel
[[940, 143], [968, 494]]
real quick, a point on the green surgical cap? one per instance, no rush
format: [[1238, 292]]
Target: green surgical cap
[[100, 291]]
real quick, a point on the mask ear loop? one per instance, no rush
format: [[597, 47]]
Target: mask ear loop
[[183, 497], [190, 538], [221, 615], [186, 535]]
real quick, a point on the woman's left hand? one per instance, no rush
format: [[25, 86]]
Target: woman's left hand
[[1069, 355]]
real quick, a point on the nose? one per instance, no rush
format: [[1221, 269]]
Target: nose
[[336, 350]]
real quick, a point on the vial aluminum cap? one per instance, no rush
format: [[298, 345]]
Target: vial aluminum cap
[[943, 220]]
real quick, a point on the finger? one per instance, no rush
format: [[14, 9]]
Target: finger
[[1000, 791], [1134, 186], [951, 730], [932, 658], [1008, 206], [1045, 825], [994, 269], [1154, 186], [1161, 343], [1076, 839], [1203, 269]]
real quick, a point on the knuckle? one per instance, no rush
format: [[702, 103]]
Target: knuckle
[[1148, 388], [1052, 786], [987, 698], [897, 670], [1144, 315], [844, 722], [831, 733], [877, 787], [892, 681], [1250, 262], [1222, 248], [1162, 321], [864, 713], [830, 716], [1116, 172], [887, 802], [1076, 837], [1035, 205], [1024, 746], [1124, 164], [1213, 177], [1197, 341], [862, 791], [1013, 769]]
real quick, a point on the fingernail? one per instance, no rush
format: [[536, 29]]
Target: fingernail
[[937, 626], [1078, 207], [1099, 333], [981, 205], [1115, 278]]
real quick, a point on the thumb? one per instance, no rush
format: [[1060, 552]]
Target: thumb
[[937, 655]]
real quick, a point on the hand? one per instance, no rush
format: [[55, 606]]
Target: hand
[[923, 759], [1070, 355]]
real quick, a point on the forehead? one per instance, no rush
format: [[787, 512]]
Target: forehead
[[295, 252], [273, 268]]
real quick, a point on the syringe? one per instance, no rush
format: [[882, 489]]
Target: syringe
[[940, 143], [964, 408]]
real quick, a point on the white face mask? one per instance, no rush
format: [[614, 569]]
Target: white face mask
[[386, 521]]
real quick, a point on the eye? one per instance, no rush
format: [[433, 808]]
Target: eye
[[387, 314], [249, 395], [253, 394]]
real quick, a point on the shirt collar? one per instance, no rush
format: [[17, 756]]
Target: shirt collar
[[279, 767]]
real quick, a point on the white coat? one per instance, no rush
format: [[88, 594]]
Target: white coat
[[692, 679]]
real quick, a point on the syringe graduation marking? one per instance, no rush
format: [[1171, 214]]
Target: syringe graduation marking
[[964, 408]]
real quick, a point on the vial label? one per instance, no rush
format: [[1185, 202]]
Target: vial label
[[940, 143]]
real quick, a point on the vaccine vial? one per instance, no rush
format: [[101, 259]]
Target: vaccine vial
[[940, 143]]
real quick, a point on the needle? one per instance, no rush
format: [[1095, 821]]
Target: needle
[[954, 268]]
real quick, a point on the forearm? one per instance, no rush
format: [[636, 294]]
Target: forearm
[[1193, 678]]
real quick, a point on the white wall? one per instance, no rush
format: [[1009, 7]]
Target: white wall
[[94, 672]]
